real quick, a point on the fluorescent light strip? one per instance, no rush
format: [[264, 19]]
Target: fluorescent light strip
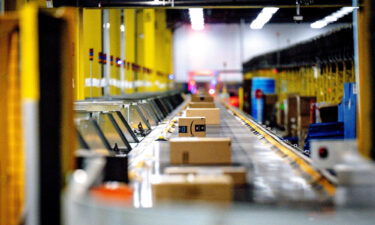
[[196, 18], [333, 17], [263, 17]]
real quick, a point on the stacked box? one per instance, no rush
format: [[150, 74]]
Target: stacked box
[[270, 111], [201, 105], [208, 188], [299, 114], [237, 173], [202, 98], [200, 151], [192, 127], [212, 115]]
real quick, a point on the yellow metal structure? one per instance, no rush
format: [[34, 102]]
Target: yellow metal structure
[[130, 25], [365, 82], [163, 51], [148, 51], [79, 78], [91, 39], [325, 82], [12, 159], [149, 47], [139, 50], [115, 33], [240, 97], [69, 70]]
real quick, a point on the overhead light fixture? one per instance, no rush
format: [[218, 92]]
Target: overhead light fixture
[[333, 17], [263, 17], [196, 18]]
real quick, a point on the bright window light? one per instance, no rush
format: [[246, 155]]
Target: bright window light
[[263, 17], [196, 18], [333, 17]]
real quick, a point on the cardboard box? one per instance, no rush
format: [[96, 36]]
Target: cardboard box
[[192, 127], [208, 188], [298, 113], [304, 103], [202, 105], [200, 151], [237, 173], [270, 99], [202, 98], [212, 115]]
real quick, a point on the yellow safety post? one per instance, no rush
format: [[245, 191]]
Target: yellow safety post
[[130, 35], [79, 74], [169, 56], [365, 81], [92, 39], [139, 50], [30, 104], [115, 32], [240, 97], [149, 50]]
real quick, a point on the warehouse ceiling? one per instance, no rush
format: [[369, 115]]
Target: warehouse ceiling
[[178, 17], [200, 3], [226, 11]]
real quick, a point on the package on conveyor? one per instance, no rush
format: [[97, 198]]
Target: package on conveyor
[[237, 173], [192, 127], [200, 151], [202, 98], [298, 114], [201, 105], [212, 115], [207, 188]]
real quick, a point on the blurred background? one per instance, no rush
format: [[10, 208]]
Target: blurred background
[[92, 95]]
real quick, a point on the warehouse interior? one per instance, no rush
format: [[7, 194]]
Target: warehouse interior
[[187, 112]]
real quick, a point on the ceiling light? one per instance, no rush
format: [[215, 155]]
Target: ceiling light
[[196, 18], [263, 17], [333, 17]]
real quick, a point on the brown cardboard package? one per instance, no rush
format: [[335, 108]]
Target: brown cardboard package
[[269, 111], [280, 117], [237, 173], [212, 115], [202, 98], [192, 127], [270, 99], [200, 151], [298, 113], [201, 105], [209, 188]]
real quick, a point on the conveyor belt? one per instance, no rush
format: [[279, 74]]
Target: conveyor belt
[[272, 177]]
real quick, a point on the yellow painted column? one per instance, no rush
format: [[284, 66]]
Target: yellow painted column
[[115, 32], [79, 78], [139, 50], [130, 23], [160, 53], [169, 57], [12, 162], [364, 124], [163, 51], [92, 39], [149, 49], [240, 97]]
